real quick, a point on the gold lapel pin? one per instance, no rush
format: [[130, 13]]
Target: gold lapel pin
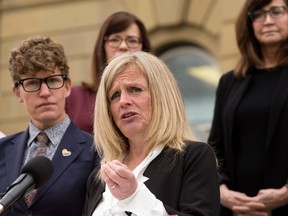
[[66, 153]]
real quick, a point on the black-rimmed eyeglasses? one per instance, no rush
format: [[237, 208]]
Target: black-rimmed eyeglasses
[[34, 84], [131, 41], [274, 12]]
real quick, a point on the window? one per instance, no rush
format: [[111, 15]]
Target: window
[[197, 73]]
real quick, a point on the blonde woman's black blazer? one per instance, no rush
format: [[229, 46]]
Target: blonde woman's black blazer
[[186, 183]]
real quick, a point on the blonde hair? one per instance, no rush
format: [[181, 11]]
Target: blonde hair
[[169, 124]]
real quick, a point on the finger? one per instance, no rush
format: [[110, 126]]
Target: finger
[[246, 210], [257, 206], [116, 173], [253, 206], [244, 198], [120, 169], [241, 209], [107, 175]]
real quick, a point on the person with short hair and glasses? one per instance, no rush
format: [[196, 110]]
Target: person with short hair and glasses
[[40, 73], [249, 128], [121, 32]]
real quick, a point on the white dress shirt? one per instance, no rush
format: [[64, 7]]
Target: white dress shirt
[[2, 134], [141, 203]]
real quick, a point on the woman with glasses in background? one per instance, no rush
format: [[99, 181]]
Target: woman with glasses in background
[[249, 130], [121, 32]]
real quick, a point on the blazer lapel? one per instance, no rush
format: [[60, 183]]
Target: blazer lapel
[[14, 159], [15, 156], [96, 198], [278, 104], [236, 95], [68, 150]]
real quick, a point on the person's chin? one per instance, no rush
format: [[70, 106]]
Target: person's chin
[[49, 115], [132, 130]]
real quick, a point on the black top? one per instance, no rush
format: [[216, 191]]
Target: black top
[[253, 112], [249, 131]]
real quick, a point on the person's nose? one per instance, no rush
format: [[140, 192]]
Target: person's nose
[[268, 19], [125, 99], [44, 89], [123, 45]]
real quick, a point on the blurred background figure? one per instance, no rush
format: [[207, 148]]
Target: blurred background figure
[[151, 163], [121, 32], [249, 130]]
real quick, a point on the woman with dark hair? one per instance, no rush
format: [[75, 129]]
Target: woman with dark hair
[[121, 32], [249, 130]]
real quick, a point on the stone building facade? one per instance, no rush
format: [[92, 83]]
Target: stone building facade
[[204, 24]]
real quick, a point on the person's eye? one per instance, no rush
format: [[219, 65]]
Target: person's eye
[[135, 89], [31, 82], [276, 10], [54, 80], [132, 40], [258, 13], [115, 96], [115, 40]]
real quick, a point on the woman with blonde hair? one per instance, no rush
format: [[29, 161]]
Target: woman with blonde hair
[[151, 163]]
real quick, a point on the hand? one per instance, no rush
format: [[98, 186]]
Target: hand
[[264, 202], [230, 198], [273, 198], [251, 209], [241, 204], [119, 178]]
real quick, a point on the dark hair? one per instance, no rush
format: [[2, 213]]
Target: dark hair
[[249, 47], [37, 54], [115, 23]]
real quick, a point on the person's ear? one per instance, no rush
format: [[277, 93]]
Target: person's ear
[[16, 92], [67, 87]]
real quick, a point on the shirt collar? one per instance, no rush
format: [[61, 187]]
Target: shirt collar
[[55, 133]]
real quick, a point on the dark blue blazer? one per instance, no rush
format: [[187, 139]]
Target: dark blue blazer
[[64, 193]]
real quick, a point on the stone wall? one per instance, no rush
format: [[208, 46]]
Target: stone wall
[[75, 24]]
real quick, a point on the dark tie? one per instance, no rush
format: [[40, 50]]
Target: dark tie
[[40, 150]]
